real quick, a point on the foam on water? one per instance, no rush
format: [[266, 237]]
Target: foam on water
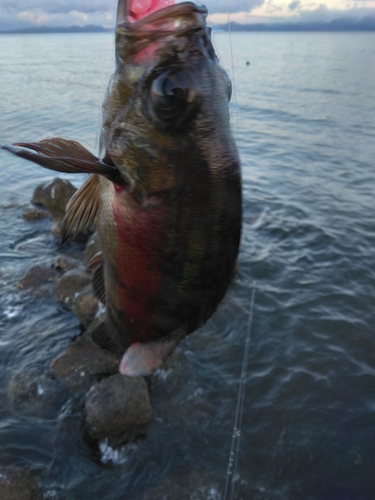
[[117, 456]]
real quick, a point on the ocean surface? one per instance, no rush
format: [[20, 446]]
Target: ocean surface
[[303, 114]]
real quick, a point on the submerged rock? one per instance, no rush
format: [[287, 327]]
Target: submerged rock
[[117, 410], [18, 484], [36, 277], [32, 213], [185, 484], [54, 196], [83, 362], [70, 284], [66, 263], [85, 306]]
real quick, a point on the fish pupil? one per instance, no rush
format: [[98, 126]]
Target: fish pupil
[[173, 97]]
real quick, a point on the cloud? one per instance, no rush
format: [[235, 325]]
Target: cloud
[[322, 13], [56, 6], [294, 5], [224, 6]]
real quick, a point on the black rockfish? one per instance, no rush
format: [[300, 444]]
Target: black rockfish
[[165, 192]]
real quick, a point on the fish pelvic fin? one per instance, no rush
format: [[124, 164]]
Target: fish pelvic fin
[[63, 155], [97, 263], [100, 337], [81, 209], [141, 359]]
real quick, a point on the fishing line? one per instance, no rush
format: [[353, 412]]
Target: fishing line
[[233, 456], [233, 76]]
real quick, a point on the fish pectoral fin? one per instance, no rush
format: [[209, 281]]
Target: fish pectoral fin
[[81, 209], [100, 337], [97, 263], [63, 155], [141, 359]]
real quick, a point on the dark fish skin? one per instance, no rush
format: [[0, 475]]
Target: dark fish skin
[[166, 193]]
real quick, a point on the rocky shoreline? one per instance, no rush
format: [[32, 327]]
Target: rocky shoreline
[[115, 408]]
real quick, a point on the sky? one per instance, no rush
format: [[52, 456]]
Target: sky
[[25, 13]]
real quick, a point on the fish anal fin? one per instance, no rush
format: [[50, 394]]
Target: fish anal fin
[[82, 209], [141, 359]]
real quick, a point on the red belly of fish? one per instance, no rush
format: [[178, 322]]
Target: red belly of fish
[[141, 239]]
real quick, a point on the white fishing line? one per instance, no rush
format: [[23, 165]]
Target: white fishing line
[[233, 74], [233, 456]]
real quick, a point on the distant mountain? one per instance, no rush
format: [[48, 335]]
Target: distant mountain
[[54, 29], [342, 24]]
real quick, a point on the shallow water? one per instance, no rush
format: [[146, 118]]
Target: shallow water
[[304, 118]]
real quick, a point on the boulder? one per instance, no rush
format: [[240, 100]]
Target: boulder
[[117, 410], [85, 306], [33, 213], [92, 247], [37, 280], [69, 284], [65, 263], [18, 484], [82, 363], [54, 196]]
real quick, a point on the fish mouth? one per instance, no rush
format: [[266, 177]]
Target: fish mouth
[[129, 21]]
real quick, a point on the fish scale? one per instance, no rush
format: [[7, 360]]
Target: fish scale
[[165, 194]]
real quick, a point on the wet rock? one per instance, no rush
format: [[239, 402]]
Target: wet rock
[[92, 247], [83, 362], [85, 306], [117, 409], [54, 196], [32, 213], [18, 484], [66, 263], [37, 277], [34, 393], [69, 284]]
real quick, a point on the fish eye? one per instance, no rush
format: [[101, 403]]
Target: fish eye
[[174, 97]]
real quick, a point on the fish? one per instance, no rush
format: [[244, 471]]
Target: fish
[[164, 192]]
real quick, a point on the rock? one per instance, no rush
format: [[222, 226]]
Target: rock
[[34, 214], [36, 277], [85, 306], [66, 263], [18, 484], [32, 392], [92, 247], [56, 229], [117, 409], [54, 196], [69, 284], [83, 362]]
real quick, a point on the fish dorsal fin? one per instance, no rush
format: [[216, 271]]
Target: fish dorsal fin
[[97, 263], [81, 209], [63, 155]]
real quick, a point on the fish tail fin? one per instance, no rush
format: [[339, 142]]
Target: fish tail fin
[[141, 359]]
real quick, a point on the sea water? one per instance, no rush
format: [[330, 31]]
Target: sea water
[[303, 114]]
